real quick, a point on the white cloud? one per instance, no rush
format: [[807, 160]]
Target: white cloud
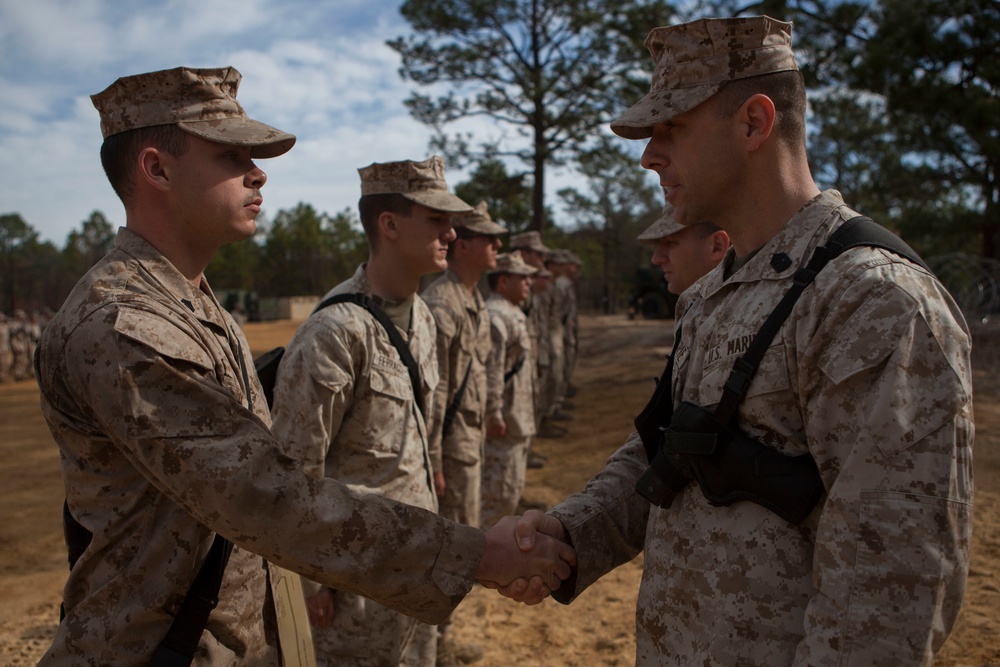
[[319, 70]]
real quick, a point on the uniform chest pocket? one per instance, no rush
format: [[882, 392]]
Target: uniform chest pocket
[[391, 380]]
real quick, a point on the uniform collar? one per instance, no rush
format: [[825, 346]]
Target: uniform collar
[[201, 302], [473, 301], [789, 249]]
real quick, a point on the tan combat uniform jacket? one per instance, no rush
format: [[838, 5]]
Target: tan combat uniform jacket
[[572, 328], [870, 376], [162, 442], [510, 402], [463, 337], [344, 406]]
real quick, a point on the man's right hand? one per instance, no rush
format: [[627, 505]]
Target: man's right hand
[[526, 558]]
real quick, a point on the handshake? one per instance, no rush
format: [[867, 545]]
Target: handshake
[[526, 558]]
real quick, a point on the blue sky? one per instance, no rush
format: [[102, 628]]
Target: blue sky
[[318, 69]]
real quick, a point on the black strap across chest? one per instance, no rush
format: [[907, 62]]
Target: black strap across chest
[[856, 232]]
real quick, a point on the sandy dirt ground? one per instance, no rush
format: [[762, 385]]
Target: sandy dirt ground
[[618, 359]]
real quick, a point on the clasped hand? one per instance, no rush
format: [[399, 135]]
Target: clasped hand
[[526, 558]]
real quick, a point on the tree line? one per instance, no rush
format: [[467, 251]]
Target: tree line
[[904, 101]]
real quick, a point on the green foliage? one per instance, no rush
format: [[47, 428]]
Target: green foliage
[[552, 70], [307, 253], [86, 246], [507, 197], [620, 203], [29, 275], [923, 78]]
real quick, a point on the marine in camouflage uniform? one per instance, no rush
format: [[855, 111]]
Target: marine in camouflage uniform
[[510, 405], [458, 421], [163, 430], [463, 347], [537, 308], [869, 375], [571, 341], [560, 305], [345, 407], [20, 346], [5, 353]]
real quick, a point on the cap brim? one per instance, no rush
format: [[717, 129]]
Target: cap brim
[[660, 106], [439, 201], [487, 227], [265, 141], [659, 230]]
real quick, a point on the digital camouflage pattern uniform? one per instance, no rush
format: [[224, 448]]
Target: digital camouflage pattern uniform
[[463, 345], [571, 340], [344, 406], [20, 346], [148, 388], [510, 402], [5, 353], [561, 305], [870, 375], [162, 443]]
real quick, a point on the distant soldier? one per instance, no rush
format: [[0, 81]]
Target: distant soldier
[[5, 354], [458, 419], [510, 408], [560, 304], [572, 336], [537, 308], [20, 346], [239, 314], [346, 404]]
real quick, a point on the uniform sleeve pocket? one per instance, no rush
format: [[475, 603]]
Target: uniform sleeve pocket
[[911, 554], [169, 385]]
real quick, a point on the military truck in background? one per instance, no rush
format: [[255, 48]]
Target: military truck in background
[[650, 299]]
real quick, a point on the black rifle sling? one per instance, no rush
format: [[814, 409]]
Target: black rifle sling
[[513, 369], [368, 303], [178, 647], [449, 414], [858, 231]]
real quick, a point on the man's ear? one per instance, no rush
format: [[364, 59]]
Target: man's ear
[[720, 244], [757, 115], [154, 168], [388, 225]]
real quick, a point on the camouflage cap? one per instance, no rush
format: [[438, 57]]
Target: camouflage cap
[[512, 262], [477, 221], [420, 182], [664, 226], [559, 256], [201, 102], [693, 60], [529, 241]]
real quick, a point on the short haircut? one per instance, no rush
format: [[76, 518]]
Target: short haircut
[[493, 279], [370, 207], [119, 153], [705, 229], [786, 89]]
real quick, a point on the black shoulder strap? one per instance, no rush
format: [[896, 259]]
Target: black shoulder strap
[[368, 303], [449, 414], [514, 369], [859, 231], [178, 647]]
